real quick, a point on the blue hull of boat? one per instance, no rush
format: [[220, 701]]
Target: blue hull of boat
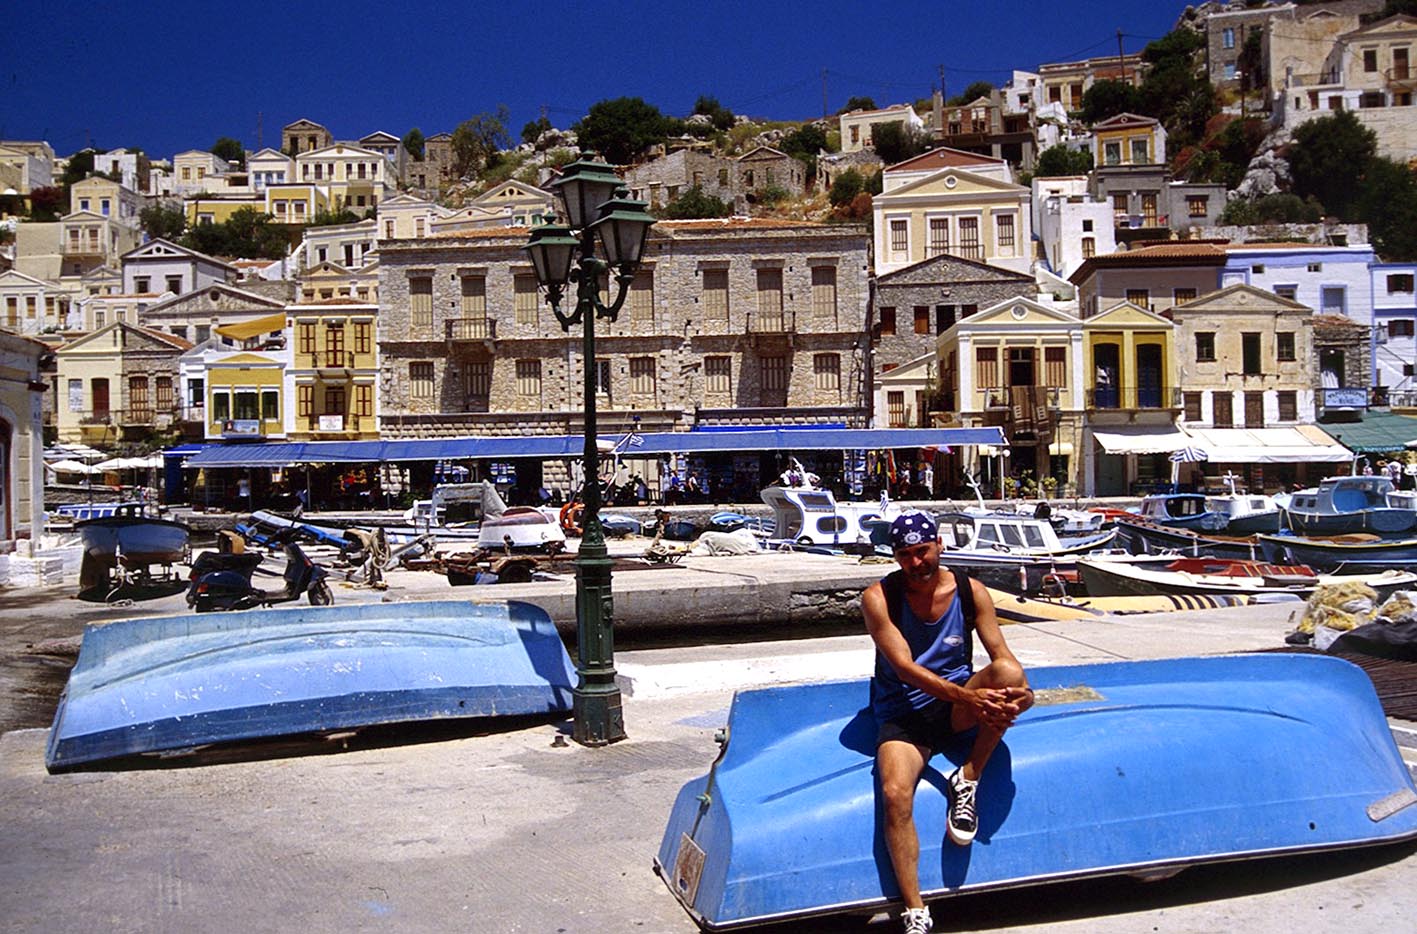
[[147, 685], [1327, 556], [1117, 769]]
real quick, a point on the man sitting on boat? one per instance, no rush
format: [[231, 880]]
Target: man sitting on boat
[[925, 691]]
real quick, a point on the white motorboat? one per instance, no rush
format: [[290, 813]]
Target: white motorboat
[[807, 515], [518, 528], [1247, 513]]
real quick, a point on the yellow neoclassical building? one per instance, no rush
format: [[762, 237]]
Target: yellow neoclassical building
[[972, 211], [1133, 401], [334, 374], [1017, 365]]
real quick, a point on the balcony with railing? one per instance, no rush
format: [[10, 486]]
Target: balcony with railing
[[328, 360], [470, 329], [334, 423], [772, 323], [1315, 80], [1134, 397]]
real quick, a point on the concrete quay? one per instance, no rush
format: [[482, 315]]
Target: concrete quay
[[515, 831]]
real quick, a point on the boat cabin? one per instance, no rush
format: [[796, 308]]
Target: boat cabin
[[814, 517], [1014, 532]]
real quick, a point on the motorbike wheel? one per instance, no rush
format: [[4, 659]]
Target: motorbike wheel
[[320, 594]]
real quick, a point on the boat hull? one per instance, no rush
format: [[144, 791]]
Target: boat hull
[[1253, 523], [1329, 556], [1114, 771], [140, 542], [1120, 579], [1144, 538], [1381, 521], [149, 685]]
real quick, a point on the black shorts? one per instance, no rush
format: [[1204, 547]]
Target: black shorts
[[929, 726]]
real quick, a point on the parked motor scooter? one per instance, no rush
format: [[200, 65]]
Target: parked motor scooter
[[222, 581]]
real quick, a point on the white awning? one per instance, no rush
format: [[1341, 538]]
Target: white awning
[[1298, 445], [1138, 440]]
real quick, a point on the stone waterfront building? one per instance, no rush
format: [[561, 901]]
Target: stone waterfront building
[[729, 322]]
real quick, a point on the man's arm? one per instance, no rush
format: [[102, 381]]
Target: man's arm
[[991, 635], [897, 651]]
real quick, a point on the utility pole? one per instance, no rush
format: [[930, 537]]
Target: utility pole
[[824, 93], [1121, 58]]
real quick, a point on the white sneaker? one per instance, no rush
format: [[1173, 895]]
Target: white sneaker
[[918, 921]]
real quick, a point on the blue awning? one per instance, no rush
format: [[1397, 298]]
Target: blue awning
[[184, 450], [282, 454]]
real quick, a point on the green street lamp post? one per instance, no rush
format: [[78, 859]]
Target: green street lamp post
[[596, 209]]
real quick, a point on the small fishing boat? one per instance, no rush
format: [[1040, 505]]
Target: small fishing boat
[[1245, 513], [1181, 510], [1147, 538], [1351, 550], [810, 516], [1025, 608], [1343, 505], [178, 682], [1223, 576], [521, 528], [1113, 771], [122, 549], [1008, 550]]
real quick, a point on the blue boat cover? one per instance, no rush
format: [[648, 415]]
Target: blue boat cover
[[784, 438], [145, 685], [1124, 767]]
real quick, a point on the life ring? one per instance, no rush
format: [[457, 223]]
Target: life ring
[[571, 518]]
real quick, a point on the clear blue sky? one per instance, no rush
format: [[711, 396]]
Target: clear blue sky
[[167, 76]]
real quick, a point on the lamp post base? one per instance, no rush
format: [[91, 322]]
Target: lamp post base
[[599, 719]]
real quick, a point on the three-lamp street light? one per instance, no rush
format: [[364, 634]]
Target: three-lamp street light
[[596, 208]]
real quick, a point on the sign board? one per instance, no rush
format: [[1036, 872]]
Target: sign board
[[1354, 398], [332, 423], [242, 428]]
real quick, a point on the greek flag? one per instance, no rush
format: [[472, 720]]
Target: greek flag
[[636, 439]]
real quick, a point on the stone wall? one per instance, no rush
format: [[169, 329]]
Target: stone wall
[[946, 281], [670, 329]]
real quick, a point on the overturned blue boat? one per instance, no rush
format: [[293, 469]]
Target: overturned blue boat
[[178, 682], [1134, 767]]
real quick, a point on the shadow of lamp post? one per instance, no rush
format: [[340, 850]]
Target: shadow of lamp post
[[564, 257]]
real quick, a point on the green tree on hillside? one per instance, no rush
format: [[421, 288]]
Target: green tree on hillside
[[532, 131], [478, 139], [231, 150], [1107, 99], [1060, 160], [413, 143], [720, 116], [896, 142], [48, 203], [1388, 204], [621, 129], [249, 233], [1328, 160], [971, 94], [858, 103], [1175, 90], [694, 203], [161, 221]]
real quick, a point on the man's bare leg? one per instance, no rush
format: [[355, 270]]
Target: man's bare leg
[[999, 674], [899, 765]]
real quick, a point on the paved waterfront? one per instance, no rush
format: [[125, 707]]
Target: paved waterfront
[[512, 832]]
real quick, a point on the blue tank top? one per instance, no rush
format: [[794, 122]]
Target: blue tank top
[[941, 646]]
